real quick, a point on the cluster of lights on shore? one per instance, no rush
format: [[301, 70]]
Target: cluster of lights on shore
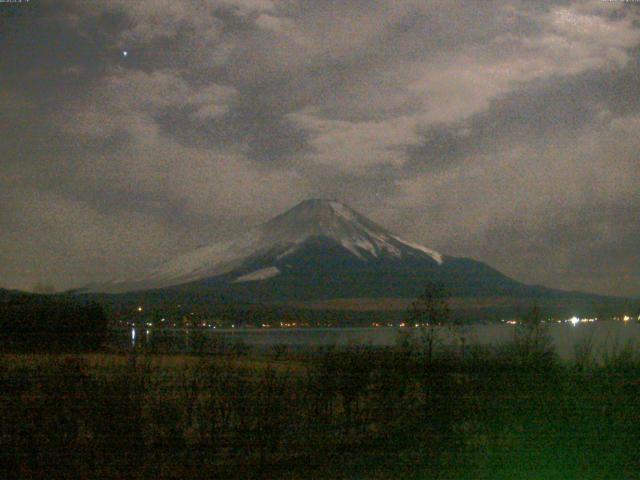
[[576, 320], [573, 321]]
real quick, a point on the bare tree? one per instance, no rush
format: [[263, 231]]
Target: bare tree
[[429, 312], [531, 338]]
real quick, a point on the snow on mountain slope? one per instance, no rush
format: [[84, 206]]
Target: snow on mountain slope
[[432, 253], [338, 222], [261, 274], [282, 236]]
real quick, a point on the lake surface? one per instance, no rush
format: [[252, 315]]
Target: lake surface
[[604, 337]]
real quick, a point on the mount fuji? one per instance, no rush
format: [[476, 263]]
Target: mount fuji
[[277, 246], [322, 250]]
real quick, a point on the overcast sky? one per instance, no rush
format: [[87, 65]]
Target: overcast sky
[[505, 131]]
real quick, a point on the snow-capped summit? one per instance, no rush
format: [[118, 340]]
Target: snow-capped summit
[[268, 246], [336, 221]]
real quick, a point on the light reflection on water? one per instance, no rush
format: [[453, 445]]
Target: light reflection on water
[[605, 336]]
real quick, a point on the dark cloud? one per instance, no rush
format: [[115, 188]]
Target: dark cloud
[[505, 131], [49, 60]]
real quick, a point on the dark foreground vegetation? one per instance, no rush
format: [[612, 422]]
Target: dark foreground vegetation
[[516, 413], [50, 323]]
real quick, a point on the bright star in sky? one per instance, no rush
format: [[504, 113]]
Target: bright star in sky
[[125, 53]]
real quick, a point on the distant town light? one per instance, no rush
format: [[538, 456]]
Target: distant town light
[[139, 309], [574, 321]]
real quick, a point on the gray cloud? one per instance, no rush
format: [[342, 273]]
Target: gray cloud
[[505, 132]]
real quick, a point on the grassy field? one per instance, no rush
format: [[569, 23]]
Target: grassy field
[[513, 413], [106, 361]]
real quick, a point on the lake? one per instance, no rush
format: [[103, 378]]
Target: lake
[[604, 336]]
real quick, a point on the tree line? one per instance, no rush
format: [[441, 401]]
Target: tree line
[[50, 323]]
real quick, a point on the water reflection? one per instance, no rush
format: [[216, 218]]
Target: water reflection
[[603, 336]]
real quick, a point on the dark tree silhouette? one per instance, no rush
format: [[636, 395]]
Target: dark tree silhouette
[[532, 341], [428, 312]]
